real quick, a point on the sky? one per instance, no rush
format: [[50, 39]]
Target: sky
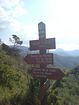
[[21, 17]]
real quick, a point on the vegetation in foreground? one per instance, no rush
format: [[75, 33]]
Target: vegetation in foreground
[[18, 88], [65, 91]]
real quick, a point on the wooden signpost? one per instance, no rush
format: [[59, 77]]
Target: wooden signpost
[[43, 59]]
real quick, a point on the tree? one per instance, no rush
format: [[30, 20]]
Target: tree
[[10, 50], [15, 40]]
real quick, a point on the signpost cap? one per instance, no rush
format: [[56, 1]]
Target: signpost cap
[[41, 23]]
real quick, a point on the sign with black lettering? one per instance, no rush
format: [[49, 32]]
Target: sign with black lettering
[[50, 73], [42, 44], [39, 58]]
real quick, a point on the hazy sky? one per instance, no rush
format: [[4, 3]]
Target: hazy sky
[[21, 17]]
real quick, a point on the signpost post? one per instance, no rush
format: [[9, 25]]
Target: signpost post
[[42, 38], [43, 59]]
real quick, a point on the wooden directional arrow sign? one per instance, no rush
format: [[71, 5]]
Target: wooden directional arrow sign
[[42, 44], [39, 58], [50, 73]]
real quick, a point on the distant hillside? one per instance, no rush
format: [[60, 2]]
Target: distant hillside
[[59, 51], [66, 61], [25, 50], [62, 52]]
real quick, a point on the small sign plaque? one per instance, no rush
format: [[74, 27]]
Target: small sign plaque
[[42, 44], [50, 73], [39, 58]]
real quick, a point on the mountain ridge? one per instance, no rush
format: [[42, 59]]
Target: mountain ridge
[[62, 52], [58, 51], [62, 58]]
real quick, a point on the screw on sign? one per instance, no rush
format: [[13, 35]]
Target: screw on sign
[[39, 58]]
